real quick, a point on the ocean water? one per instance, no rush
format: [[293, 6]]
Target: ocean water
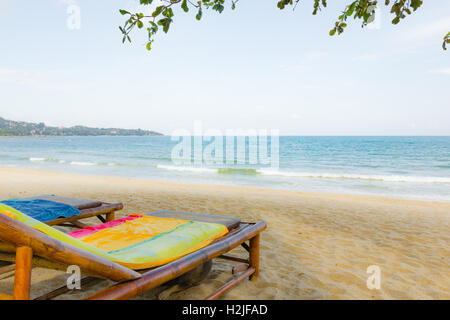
[[396, 167]]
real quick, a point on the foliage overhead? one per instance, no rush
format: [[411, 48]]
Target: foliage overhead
[[162, 15]]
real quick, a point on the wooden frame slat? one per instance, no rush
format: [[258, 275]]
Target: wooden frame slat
[[104, 209], [7, 269], [230, 284], [84, 283], [236, 259]]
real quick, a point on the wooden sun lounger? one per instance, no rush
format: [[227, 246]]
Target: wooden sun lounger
[[88, 209], [29, 247]]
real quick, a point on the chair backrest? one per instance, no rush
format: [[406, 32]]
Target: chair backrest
[[54, 245]]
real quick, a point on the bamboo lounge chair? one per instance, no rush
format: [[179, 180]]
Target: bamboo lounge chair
[[104, 211], [138, 267]]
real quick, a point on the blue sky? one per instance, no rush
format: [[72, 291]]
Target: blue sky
[[256, 67]]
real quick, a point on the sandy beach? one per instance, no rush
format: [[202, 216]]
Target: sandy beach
[[317, 246]]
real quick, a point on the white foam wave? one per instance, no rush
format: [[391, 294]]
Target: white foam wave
[[79, 163], [314, 175], [44, 159], [386, 178], [182, 168]]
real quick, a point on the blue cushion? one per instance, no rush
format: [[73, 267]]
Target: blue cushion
[[42, 210]]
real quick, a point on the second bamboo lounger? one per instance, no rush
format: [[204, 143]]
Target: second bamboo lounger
[[84, 209]]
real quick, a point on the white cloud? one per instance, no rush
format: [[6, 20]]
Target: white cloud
[[445, 71], [38, 79], [67, 2], [296, 67], [307, 61], [314, 55], [369, 57], [413, 125], [432, 30]]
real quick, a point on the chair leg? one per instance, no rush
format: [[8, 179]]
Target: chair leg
[[22, 278], [254, 256], [110, 216]]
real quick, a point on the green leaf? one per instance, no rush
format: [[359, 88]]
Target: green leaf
[[157, 11], [184, 6], [148, 46], [199, 14], [140, 24], [351, 9], [165, 23], [123, 12], [415, 4], [332, 32]]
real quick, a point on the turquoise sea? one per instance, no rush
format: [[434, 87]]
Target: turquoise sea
[[397, 167]]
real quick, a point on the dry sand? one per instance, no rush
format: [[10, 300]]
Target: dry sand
[[317, 246]]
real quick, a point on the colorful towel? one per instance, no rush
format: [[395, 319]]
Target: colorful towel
[[42, 210], [138, 241]]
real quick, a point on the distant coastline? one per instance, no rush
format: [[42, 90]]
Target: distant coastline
[[10, 128], [68, 136]]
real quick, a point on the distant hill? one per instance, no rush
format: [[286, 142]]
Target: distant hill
[[19, 128]]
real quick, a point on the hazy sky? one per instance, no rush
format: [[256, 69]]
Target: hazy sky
[[255, 67]]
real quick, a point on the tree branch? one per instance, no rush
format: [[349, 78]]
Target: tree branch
[[363, 10]]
